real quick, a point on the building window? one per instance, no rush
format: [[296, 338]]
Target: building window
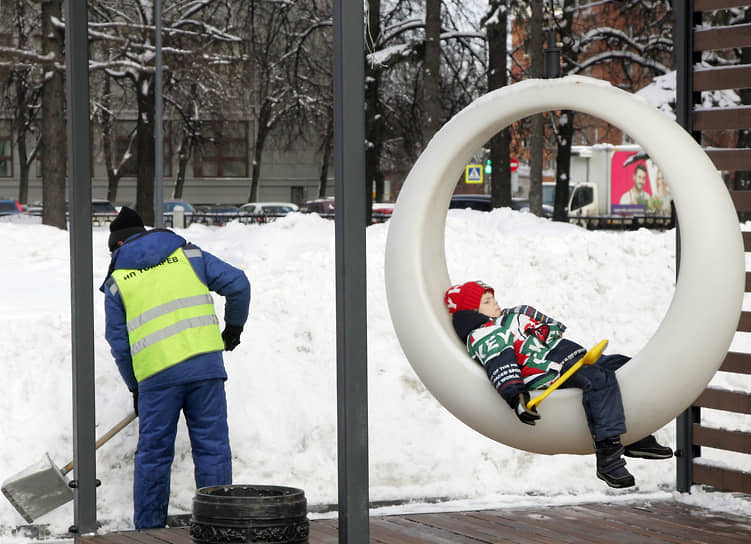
[[6, 149], [124, 133], [223, 152]]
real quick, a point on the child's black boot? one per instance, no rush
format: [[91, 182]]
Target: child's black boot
[[611, 467], [648, 448]]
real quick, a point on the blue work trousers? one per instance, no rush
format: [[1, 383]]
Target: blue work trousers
[[601, 395], [204, 405]]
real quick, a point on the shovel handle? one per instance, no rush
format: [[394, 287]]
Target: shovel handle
[[589, 358], [105, 438]]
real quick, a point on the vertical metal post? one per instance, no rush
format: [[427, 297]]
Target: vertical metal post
[[158, 118], [684, 57], [81, 263], [685, 451], [552, 55], [351, 321]]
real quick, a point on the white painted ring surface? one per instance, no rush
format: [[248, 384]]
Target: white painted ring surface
[[687, 348]]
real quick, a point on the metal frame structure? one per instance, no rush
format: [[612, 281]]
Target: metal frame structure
[[81, 265], [692, 38], [349, 118], [351, 309], [684, 59]]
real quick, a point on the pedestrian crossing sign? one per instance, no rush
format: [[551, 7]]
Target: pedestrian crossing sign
[[473, 173]]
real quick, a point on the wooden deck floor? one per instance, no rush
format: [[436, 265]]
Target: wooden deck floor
[[648, 523]]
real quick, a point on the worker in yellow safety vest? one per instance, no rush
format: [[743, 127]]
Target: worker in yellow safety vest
[[167, 343]]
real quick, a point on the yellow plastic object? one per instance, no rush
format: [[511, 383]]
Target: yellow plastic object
[[589, 358]]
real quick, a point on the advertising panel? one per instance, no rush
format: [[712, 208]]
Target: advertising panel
[[630, 183]]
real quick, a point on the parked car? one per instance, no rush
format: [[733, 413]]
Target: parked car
[[217, 208], [322, 206], [326, 208], [215, 214], [522, 205], [10, 207], [483, 203], [474, 202], [382, 211], [102, 210], [277, 209], [103, 207], [169, 206], [263, 212], [34, 208]]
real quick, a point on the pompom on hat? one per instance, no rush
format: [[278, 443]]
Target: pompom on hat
[[126, 224], [466, 296]]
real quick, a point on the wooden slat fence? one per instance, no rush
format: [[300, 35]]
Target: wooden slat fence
[[731, 160]]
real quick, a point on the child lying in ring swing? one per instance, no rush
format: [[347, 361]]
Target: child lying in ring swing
[[523, 349]]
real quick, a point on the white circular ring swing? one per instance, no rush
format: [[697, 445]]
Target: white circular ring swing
[[688, 347]]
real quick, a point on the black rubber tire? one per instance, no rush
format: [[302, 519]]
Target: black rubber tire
[[249, 513]]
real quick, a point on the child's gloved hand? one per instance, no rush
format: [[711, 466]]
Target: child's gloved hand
[[525, 415]]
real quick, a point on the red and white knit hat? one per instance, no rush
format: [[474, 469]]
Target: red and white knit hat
[[466, 296]]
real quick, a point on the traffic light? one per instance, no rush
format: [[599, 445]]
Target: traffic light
[[488, 167]]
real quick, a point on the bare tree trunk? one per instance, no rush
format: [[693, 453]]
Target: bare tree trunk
[[327, 149], [107, 149], [563, 165], [145, 150], [565, 122], [18, 79], [500, 188], [261, 134], [107, 129], [183, 155], [21, 131], [373, 114], [537, 121], [53, 131], [431, 77]]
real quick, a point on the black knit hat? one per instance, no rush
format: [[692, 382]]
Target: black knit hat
[[126, 224]]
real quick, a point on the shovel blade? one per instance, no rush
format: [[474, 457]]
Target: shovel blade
[[37, 489]]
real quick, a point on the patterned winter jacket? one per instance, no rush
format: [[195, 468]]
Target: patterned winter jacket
[[522, 349]]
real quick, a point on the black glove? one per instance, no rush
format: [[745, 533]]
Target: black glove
[[231, 337], [525, 415], [135, 401]]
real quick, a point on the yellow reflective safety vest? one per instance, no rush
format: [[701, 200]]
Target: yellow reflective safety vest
[[169, 313]]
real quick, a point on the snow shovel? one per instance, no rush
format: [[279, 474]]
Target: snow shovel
[[589, 358], [42, 487]]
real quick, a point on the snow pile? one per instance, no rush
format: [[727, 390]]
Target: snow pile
[[282, 386]]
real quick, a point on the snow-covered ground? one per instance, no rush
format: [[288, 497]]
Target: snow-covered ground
[[282, 385]]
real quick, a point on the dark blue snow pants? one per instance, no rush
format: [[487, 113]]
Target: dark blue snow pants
[[205, 408], [601, 395]]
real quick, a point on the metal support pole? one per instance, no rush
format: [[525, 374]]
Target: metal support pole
[[685, 451], [351, 320], [158, 119], [552, 55], [81, 264]]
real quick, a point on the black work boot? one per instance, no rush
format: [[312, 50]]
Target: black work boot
[[611, 467], [648, 448]]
